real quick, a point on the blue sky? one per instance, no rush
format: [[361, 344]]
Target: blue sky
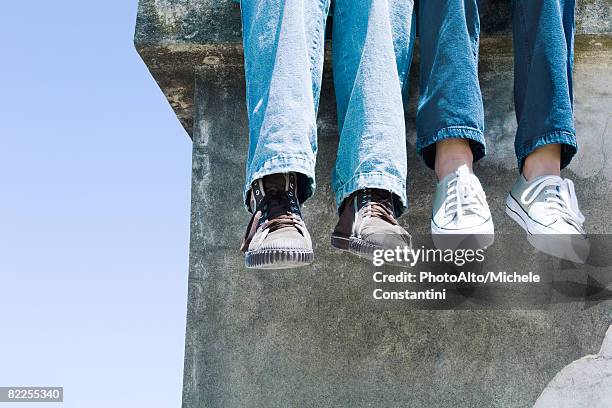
[[94, 210]]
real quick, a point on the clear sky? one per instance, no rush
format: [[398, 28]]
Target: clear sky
[[94, 210]]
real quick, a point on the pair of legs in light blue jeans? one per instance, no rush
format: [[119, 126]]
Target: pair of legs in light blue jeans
[[372, 52]]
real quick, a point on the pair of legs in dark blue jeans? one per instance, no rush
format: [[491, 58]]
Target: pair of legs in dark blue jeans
[[450, 104], [372, 51]]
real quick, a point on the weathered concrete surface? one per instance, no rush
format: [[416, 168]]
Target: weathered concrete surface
[[586, 383], [306, 338], [218, 21], [175, 36]]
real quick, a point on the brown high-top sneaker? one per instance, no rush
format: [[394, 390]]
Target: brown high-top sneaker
[[367, 222], [276, 237]]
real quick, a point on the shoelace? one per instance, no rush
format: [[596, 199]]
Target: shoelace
[[560, 197], [278, 212], [464, 198], [377, 205]]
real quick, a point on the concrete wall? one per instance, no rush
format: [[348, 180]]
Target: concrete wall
[[306, 338]]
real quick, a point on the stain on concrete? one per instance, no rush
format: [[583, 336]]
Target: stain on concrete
[[585, 383]]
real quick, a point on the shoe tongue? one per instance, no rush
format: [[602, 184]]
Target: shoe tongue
[[555, 181], [274, 183], [382, 197], [462, 172]]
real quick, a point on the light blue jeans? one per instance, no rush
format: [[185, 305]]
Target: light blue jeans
[[283, 52], [372, 52]]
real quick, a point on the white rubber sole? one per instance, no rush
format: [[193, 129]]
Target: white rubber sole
[[572, 247], [479, 237]]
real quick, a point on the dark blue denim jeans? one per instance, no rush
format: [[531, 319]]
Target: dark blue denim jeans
[[450, 104]]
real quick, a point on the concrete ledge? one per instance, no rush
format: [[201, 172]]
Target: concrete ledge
[[173, 64], [218, 21], [174, 37]]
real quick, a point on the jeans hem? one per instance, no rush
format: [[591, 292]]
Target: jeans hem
[[565, 138], [286, 163], [426, 146], [374, 179]]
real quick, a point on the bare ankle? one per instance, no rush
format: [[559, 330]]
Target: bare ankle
[[452, 154], [544, 161]]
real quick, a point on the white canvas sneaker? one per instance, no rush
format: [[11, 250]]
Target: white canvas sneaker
[[547, 209], [461, 216]]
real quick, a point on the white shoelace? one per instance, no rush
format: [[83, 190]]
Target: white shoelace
[[560, 197], [465, 197]]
